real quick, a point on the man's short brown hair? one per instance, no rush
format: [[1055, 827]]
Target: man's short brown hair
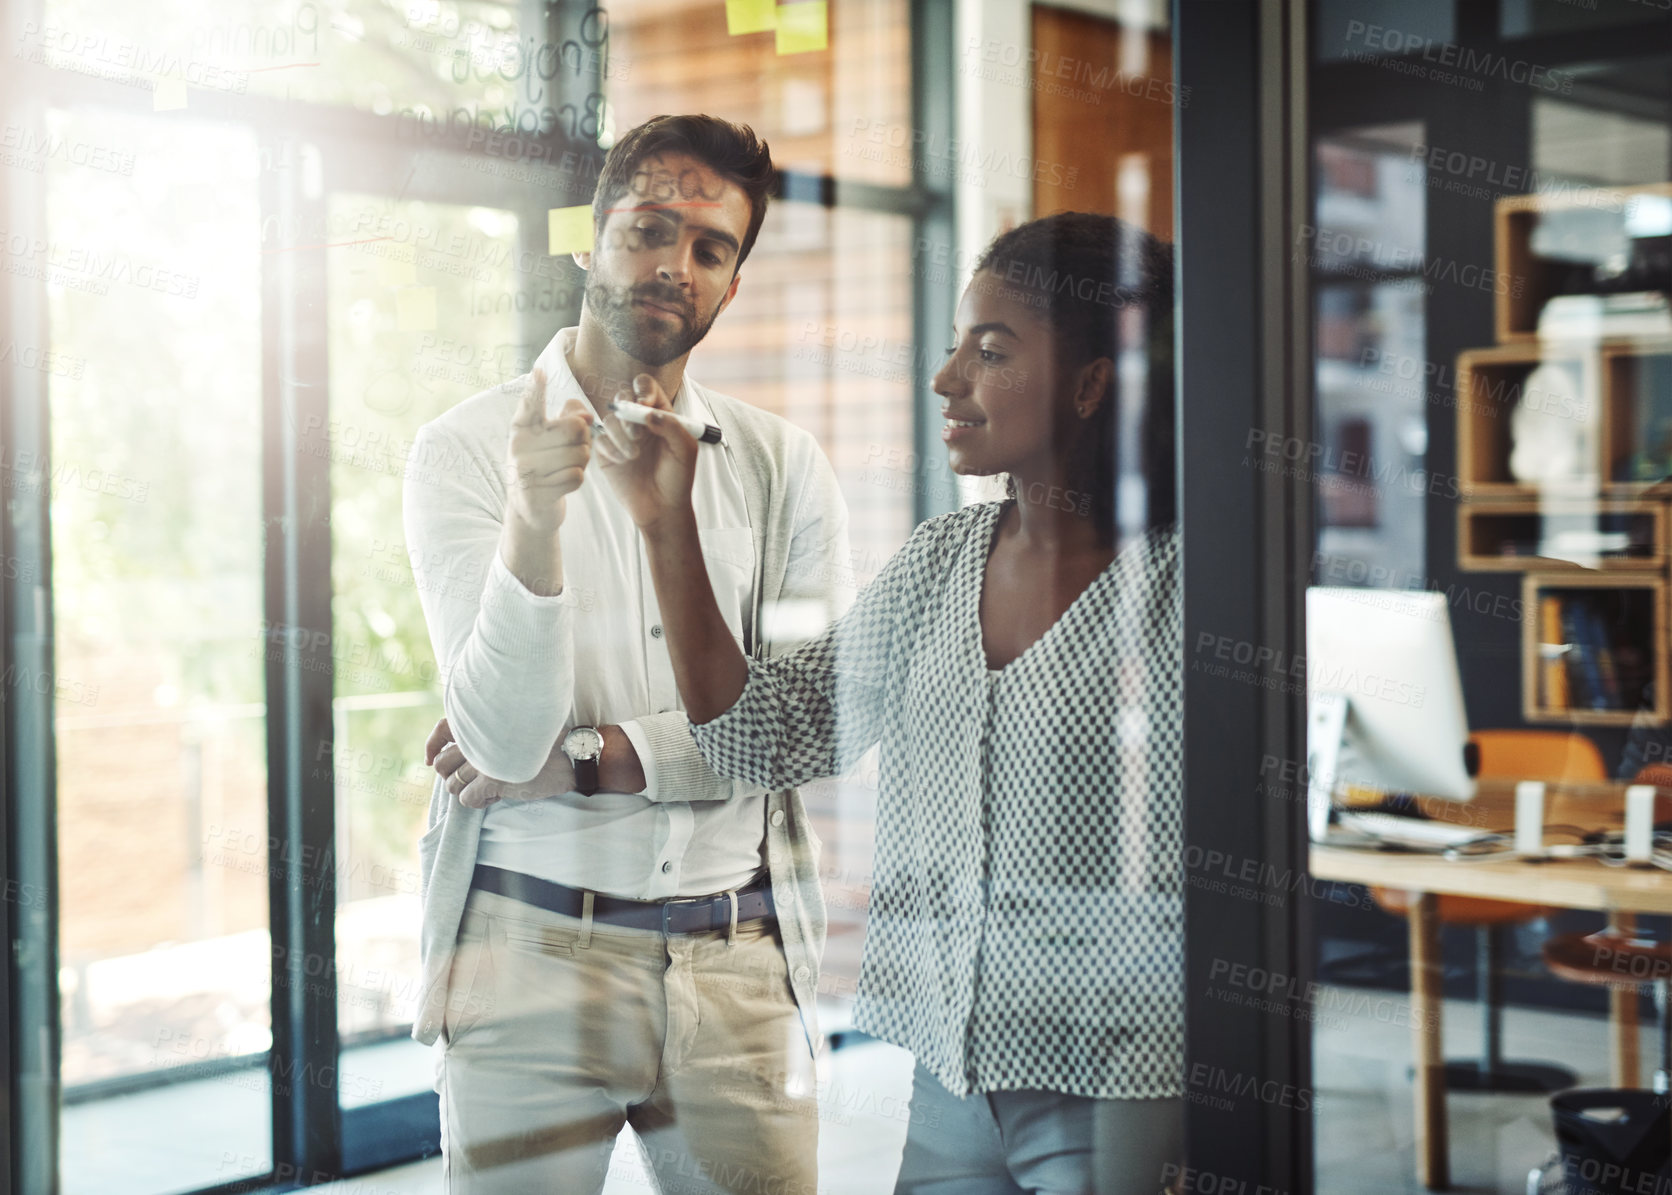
[[730, 150]]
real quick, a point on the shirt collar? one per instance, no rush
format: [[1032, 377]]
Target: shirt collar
[[554, 359]]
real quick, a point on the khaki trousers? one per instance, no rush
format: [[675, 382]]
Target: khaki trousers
[[554, 1037]]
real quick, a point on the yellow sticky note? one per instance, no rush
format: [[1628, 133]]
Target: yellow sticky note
[[168, 95], [570, 229], [803, 27], [397, 271], [750, 16], [415, 309]]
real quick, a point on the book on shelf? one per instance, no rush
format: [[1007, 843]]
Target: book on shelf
[[1579, 664], [1584, 680], [1552, 648], [1602, 655]]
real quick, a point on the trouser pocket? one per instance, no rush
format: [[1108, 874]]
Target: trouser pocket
[[470, 979]]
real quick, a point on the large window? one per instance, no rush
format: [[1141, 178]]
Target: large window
[[164, 954]]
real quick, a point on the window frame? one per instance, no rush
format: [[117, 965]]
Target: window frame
[[1243, 343]]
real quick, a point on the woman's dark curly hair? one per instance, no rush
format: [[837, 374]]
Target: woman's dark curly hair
[[1104, 285]]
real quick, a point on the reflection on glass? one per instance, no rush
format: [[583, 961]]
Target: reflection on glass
[[414, 330], [1532, 18], [156, 511], [1533, 409], [1374, 383], [159, 600], [838, 362], [838, 358], [1356, 28], [820, 332], [437, 67], [1027, 927], [1586, 149], [844, 111]]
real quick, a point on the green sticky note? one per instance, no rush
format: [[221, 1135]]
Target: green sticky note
[[168, 95], [569, 229], [803, 27], [750, 16], [415, 309]]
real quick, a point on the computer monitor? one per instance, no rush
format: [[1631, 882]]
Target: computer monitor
[[1385, 702]]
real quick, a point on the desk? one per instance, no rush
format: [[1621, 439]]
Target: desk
[[1568, 883]]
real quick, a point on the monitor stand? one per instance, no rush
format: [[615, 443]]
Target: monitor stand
[[1326, 739]]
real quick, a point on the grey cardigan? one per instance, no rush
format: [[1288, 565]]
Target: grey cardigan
[[799, 523]]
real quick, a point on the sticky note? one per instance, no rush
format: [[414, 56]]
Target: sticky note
[[570, 229], [397, 271], [415, 309], [750, 16], [803, 27], [168, 95]]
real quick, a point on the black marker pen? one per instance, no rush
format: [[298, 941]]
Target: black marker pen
[[632, 412]]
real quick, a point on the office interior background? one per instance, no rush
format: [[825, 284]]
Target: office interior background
[[249, 248]]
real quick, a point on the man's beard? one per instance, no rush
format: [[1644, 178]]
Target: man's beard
[[642, 336]]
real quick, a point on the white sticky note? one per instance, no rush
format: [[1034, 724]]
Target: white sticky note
[[415, 309], [569, 229], [803, 27], [750, 16], [397, 271], [168, 95]]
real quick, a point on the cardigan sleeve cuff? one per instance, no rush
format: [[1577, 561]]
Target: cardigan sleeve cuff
[[680, 771]]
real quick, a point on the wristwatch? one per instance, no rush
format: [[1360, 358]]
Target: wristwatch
[[583, 745]]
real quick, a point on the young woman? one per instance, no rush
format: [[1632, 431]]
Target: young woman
[[1020, 663]]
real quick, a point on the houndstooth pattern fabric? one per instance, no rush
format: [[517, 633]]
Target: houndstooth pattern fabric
[[1027, 911]]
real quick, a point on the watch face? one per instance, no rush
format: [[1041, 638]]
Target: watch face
[[583, 742]]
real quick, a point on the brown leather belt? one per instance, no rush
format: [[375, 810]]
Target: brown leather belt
[[695, 915]]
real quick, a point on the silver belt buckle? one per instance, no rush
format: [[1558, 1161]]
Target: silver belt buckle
[[687, 900]]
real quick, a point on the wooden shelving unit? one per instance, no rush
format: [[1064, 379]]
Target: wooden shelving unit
[[1519, 535], [1636, 385], [1629, 614], [1595, 548], [1528, 278], [1490, 383]]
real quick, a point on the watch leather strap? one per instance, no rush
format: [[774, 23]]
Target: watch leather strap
[[586, 775]]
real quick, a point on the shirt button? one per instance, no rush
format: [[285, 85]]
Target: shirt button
[[656, 631], [667, 867], [802, 975], [777, 817]]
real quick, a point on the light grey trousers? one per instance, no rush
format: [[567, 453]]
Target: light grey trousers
[[1036, 1143]]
